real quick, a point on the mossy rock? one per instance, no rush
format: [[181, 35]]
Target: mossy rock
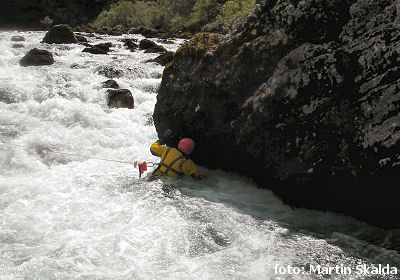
[[60, 34]]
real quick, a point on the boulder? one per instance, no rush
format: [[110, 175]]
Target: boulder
[[60, 34], [144, 32], [130, 44], [104, 46], [303, 97], [37, 57], [147, 44], [156, 49], [110, 72], [94, 50], [163, 59], [81, 39], [120, 98], [17, 38], [110, 84], [18, 46]]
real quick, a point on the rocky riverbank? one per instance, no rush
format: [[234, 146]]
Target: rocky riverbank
[[303, 97]]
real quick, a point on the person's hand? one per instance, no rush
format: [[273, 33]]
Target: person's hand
[[198, 177]]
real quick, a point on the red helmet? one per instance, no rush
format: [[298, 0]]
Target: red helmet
[[186, 146]]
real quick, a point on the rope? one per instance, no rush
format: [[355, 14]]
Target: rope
[[87, 157]]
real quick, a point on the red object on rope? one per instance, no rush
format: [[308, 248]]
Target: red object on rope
[[142, 168]]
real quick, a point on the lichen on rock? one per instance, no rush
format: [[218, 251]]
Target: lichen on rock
[[303, 97]]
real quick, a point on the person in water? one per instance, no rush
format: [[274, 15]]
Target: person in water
[[175, 162]]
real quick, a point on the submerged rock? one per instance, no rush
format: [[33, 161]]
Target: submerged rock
[[18, 46], [147, 44], [81, 39], [130, 44], [120, 98], [37, 57], [146, 32], [94, 50], [102, 48], [303, 97], [17, 38], [110, 84], [163, 59], [110, 72], [60, 34], [156, 49]]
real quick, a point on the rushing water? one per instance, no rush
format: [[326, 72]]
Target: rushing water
[[63, 217]]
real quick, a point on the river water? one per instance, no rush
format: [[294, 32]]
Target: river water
[[63, 217]]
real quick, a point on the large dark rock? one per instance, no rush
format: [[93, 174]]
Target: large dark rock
[[304, 97], [60, 34], [150, 46], [36, 57], [94, 50], [102, 48], [120, 98], [163, 59]]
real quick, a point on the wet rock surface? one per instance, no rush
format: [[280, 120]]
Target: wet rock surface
[[149, 45], [17, 38], [303, 97], [37, 57], [110, 84], [156, 49], [130, 44], [120, 98], [94, 50], [18, 46], [163, 59], [110, 72], [102, 48], [60, 34], [81, 39]]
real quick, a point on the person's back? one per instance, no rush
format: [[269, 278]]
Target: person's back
[[174, 162]]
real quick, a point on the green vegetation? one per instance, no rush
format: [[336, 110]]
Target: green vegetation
[[175, 15], [47, 22]]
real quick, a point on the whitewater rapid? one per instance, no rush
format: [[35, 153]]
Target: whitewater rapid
[[63, 217]]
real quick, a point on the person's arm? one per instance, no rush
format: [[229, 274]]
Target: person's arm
[[190, 169], [197, 176], [157, 148]]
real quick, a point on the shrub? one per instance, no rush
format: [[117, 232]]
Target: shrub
[[234, 10], [47, 22], [175, 15]]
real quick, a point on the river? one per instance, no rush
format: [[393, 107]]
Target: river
[[63, 217]]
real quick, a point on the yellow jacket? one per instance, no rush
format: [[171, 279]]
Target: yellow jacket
[[173, 163]]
